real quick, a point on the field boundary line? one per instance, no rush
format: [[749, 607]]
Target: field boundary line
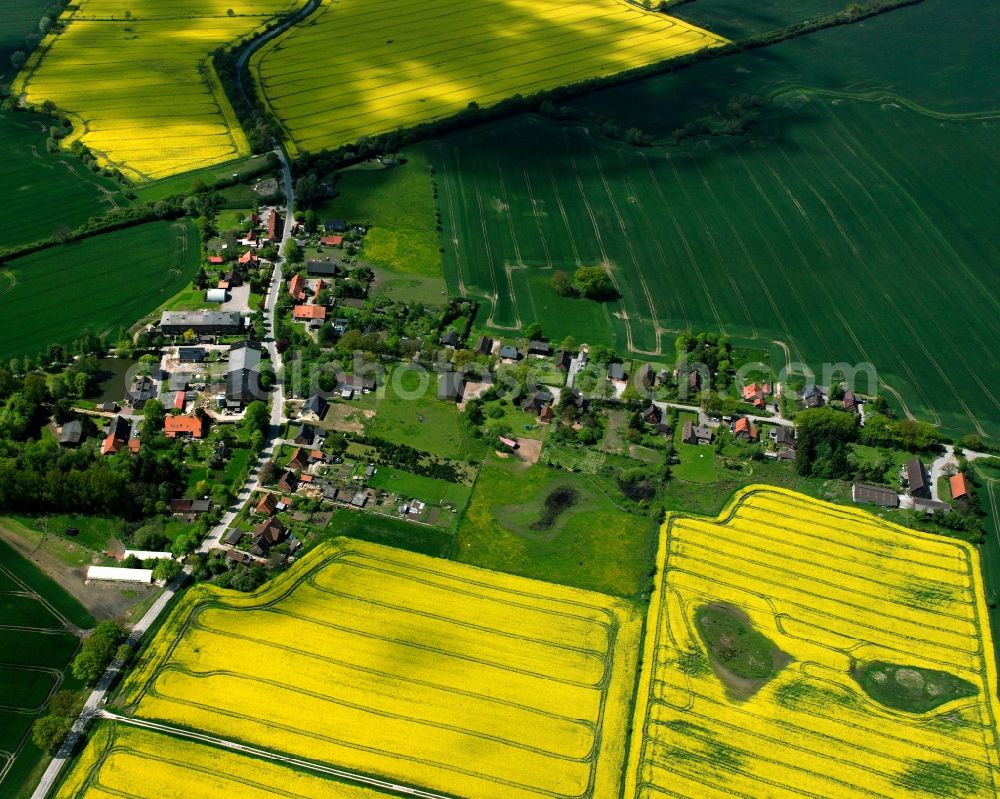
[[265, 754]]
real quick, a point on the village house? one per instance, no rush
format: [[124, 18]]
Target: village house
[[745, 429], [331, 241], [645, 377], [757, 394], [268, 505], [303, 435], [312, 314], [653, 414], [314, 408], [783, 437], [71, 434], [617, 373], [243, 376], [274, 225], [451, 386], [540, 348], [184, 427], [509, 352], [191, 354], [450, 339], [563, 357], [335, 226], [874, 495], [695, 434], [484, 345], [917, 480], [961, 492], [851, 402], [299, 460], [326, 268], [202, 323], [267, 534], [812, 396], [287, 483], [297, 288], [119, 437]]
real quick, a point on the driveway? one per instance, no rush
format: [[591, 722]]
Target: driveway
[[239, 299]]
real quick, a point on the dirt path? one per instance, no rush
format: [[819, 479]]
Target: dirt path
[[101, 602]]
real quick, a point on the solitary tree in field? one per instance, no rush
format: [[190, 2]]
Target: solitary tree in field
[[595, 283]]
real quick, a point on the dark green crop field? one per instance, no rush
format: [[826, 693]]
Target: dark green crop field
[[41, 191], [851, 224], [737, 19], [104, 283], [20, 18], [36, 645]]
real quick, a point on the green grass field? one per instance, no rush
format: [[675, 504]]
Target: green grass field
[[825, 229], [35, 638], [42, 191], [427, 489], [398, 204], [591, 545], [105, 283], [425, 423], [391, 532]]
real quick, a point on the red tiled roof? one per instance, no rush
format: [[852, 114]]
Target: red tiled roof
[[267, 504], [332, 241], [173, 425], [179, 400], [744, 425], [959, 486], [249, 257], [215, 259], [296, 287], [309, 312]]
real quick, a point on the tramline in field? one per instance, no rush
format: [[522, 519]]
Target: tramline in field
[[854, 659], [359, 69], [398, 665]]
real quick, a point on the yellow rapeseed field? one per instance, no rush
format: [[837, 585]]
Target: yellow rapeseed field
[[140, 90], [834, 588], [360, 68], [124, 761], [419, 670]]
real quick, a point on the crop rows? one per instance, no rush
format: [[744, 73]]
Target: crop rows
[[141, 91], [356, 69], [104, 283], [128, 761], [834, 588], [35, 646], [771, 241], [395, 664]]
